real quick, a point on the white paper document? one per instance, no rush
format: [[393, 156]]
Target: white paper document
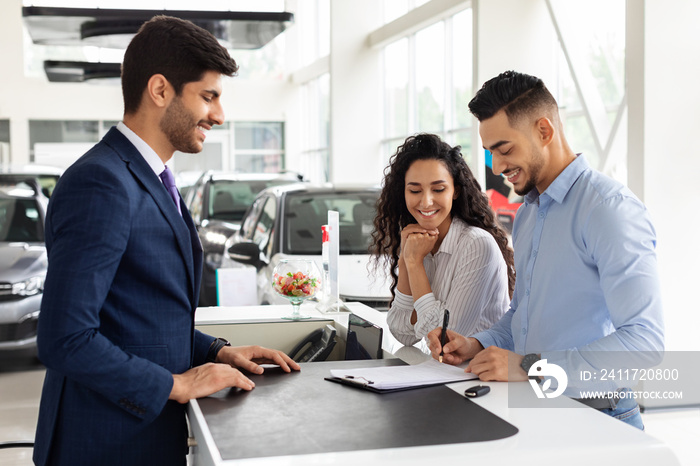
[[236, 286], [430, 372]]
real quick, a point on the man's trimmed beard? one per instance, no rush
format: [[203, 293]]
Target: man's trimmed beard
[[179, 126]]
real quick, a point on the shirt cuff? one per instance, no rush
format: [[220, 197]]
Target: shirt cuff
[[423, 303], [403, 301], [428, 319], [485, 339]]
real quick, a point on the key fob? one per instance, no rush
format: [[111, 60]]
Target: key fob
[[477, 390]]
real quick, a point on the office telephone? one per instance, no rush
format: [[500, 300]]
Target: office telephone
[[316, 346]]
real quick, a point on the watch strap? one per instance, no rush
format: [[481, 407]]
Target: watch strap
[[528, 361], [215, 347]]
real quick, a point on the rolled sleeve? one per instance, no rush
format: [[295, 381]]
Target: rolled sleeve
[[429, 312], [399, 319]]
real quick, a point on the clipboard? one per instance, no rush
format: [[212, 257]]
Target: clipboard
[[400, 378], [367, 385]]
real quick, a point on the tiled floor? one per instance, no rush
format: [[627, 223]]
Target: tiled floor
[[20, 388]]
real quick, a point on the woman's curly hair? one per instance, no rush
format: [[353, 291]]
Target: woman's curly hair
[[471, 205]]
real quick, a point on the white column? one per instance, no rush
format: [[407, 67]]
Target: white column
[[12, 52], [512, 35], [355, 93], [515, 35], [671, 157]]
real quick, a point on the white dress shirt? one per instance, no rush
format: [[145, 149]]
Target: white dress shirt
[[144, 149], [468, 276]]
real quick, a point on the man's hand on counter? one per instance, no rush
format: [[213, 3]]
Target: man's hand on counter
[[209, 378]]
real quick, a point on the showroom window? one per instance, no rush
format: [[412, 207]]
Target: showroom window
[[4, 145], [428, 83], [60, 143], [314, 157], [244, 146], [314, 33], [312, 21], [259, 146], [591, 91]]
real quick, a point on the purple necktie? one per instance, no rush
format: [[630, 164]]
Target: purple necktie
[[169, 182]]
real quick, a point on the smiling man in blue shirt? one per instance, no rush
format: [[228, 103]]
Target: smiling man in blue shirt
[[586, 272]]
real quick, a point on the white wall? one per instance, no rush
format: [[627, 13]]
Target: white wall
[[672, 159], [515, 35], [356, 98]]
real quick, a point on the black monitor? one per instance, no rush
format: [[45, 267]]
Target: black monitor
[[364, 339]]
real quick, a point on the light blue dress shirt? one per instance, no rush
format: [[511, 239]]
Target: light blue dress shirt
[[586, 274]]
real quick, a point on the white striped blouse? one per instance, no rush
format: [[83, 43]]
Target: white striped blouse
[[467, 275]]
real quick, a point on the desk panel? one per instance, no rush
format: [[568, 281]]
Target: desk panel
[[575, 437], [312, 416]]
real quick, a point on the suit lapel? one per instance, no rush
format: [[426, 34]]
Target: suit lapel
[[149, 180]]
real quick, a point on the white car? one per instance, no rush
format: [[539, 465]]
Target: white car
[[23, 263], [285, 222], [218, 201]]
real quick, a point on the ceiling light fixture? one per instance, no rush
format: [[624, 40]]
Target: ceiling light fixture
[[114, 28], [72, 26]]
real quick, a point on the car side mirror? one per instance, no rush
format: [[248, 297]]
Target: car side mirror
[[246, 253]]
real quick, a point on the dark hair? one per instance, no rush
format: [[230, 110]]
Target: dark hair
[[518, 94], [471, 205], [178, 49]]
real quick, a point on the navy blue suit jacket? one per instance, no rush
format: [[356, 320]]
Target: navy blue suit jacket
[[117, 315]]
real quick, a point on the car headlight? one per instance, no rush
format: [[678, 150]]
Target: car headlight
[[213, 260], [29, 287], [215, 238]]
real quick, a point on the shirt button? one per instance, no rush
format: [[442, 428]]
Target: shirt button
[[527, 292], [524, 331], [541, 214]]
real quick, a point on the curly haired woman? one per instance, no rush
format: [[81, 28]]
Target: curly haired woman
[[440, 238]]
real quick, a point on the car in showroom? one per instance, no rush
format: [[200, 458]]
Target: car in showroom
[[44, 176], [23, 263], [285, 222], [217, 203]]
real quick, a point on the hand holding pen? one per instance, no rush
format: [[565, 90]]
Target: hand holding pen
[[456, 348], [443, 334]]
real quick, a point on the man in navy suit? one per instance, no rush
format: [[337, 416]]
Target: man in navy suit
[[116, 331]]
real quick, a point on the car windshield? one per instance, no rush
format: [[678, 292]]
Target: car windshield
[[229, 199], [46, 182], [304, 213], [20, 221]]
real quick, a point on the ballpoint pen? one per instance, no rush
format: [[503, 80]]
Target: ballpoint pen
[[443, 335]]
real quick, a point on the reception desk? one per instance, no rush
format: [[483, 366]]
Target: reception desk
[[575, 436]]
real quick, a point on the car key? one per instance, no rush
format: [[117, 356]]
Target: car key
[[477, 390]]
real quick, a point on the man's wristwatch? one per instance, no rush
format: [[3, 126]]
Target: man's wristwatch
[[215, 347], [528, 361]]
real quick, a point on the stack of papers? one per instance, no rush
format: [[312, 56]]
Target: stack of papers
[[392, 378]]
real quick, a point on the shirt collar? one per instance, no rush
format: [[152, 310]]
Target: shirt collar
[[449, 243], [148, 154], [562, 184]]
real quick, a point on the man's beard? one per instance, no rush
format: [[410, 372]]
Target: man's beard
[[533, 171], [179, 126]]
